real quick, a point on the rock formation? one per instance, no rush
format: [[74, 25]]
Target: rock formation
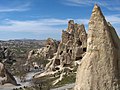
[[99, 68], [71, 48], [6, 57], [70, 51], [5, 76], [43, 53]]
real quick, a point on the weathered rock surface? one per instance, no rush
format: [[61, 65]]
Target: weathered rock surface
[[6, 57], [71, 48], [47, 51], [5, 76], [69, 53], [39, 56], [100, 67]]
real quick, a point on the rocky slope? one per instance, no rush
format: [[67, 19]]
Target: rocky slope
[[6, 57], [40, 56], [99, 68]]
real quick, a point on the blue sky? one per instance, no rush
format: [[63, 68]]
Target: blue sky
[[40, 19]]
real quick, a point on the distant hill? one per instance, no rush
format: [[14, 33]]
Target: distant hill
[[23, 42], [21, 47]]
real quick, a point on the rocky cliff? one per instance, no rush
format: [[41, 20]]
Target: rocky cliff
[[100, 67], [71, 48]]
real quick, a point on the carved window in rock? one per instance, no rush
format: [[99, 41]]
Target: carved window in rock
[[67, 50], [70, 51], [57, 68], [57, 61], [61, 52], [84, 49], [47, 46], [78, 58], [79, 43], [66, 65]]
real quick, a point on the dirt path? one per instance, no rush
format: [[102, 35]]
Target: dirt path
[[28, 78], [9, 86]]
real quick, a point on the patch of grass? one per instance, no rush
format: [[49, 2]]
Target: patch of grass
[[44, 83], [66, 80]]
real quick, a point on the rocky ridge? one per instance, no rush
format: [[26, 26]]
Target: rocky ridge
[[70, 51]]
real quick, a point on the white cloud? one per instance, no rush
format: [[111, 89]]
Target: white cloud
[[84, 2], [114, 19], [18, 8], [109, 4], [77, 2], [40, 25], [50, 25], [12, 9]]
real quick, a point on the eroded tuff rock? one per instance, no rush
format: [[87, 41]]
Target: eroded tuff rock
[[6, 57], [5, 76], [72, 46], [70, 51], [47, 51], [39, 56], [100, 67]]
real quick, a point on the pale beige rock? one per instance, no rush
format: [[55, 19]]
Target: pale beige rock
[[99, 69], [70, 28], [42, 54], [46, 52], [1, 70], [71, 49]]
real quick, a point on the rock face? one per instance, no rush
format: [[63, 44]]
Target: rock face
[[71, 48], [40, 55], [100, 67], [69, 53], [5, 76], [6, 57], [47, 51]]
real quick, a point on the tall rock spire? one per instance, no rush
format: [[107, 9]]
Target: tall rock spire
[[97, 13], [100, 67]]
